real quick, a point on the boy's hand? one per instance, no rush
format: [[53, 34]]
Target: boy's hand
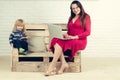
[[23, 38], [11, 45]]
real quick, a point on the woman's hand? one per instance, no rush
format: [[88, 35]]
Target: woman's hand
[[66, 35], [73, 37], [70, 37]]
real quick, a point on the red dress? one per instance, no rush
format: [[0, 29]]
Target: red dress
[[73, 30]]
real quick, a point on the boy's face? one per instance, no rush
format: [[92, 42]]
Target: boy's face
[[20, 27]]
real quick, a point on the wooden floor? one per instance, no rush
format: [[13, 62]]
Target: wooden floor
[[100, 68]]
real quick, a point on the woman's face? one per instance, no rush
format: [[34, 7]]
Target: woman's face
[[20, 27], [76, 10]]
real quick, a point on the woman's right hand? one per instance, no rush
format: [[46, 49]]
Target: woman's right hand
[[66, 35]]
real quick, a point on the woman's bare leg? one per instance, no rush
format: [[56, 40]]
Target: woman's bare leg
[[62, 58], [57, 53], [64, 64]]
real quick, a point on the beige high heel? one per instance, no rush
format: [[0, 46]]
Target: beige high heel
[[65, 67], [51, 72]]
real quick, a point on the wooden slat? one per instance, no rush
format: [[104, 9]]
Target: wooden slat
[[42, 67], [47, 40], [30, 67], [37, 33], [43, 26], [40, 54], [63, 26], [36, 26]]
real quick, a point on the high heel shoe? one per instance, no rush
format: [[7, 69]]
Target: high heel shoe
[[51, 72], [63, 68]]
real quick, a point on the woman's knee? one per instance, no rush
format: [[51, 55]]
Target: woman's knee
[[57, 46]]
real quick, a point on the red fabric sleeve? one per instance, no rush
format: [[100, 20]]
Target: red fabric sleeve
[[88, 28]]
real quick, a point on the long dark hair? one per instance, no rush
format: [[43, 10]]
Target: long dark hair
[[82, 12]]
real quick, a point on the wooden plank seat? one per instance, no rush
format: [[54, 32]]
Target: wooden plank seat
[[39, 61]]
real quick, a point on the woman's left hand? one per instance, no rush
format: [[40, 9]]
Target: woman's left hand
[[73, 37]]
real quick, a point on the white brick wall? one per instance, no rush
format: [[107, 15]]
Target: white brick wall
[[104, 39]]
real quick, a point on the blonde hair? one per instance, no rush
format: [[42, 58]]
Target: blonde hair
[[17, 23]]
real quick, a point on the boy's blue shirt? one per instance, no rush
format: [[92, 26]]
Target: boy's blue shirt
[[16, 35]]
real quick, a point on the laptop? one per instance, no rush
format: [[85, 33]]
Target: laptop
[[56, 31]]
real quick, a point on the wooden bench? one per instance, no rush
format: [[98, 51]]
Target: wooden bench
[[39, 61]]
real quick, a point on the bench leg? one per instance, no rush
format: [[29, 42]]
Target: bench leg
[[14, 58]]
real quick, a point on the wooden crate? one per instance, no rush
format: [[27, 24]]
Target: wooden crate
[[39, 62]]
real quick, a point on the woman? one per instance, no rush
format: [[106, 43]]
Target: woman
[[79, 26]]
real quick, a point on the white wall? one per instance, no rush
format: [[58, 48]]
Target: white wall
[[104, 39]]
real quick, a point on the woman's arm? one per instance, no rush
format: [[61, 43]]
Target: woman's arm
[[88, 28], [85, 33]]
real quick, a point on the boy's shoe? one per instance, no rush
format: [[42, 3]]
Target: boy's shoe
[[25, 52], [21, 50]]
